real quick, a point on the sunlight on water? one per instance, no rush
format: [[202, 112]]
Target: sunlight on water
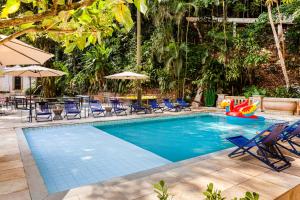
[[182, 138]]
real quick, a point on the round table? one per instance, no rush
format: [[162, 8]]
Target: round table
[[57, 114], [108, 111]]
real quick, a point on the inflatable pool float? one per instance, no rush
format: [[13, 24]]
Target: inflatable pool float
[[242, 112]]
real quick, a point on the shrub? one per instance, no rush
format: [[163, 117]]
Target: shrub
[[293, 92], [161, 190], [253, 90]]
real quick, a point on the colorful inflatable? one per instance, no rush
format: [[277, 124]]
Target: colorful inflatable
[[241, 111]]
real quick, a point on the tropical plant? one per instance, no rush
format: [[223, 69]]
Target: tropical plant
[[253, 90], [74, 24], [161, 190], [210, 193]]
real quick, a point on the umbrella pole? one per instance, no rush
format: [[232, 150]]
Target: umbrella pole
[[30, 106]]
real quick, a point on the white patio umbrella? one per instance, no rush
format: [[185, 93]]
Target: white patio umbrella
[[130, 76], [15, 52], [32, 71]]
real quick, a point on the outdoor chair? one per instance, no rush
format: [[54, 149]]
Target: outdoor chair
[[155, 106], [291, 135], [96, 108], [43, 112], [138, 108], [268, 149], [117, 107], [72, 110], [169, 106], [184, 105]]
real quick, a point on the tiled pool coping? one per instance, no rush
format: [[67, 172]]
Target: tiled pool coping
[[37, 188]]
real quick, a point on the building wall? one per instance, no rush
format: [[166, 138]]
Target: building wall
[[7, 84]]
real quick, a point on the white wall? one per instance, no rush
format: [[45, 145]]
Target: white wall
[[6, 84]]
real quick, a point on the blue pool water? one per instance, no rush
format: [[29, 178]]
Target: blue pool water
[[178, 139], [75, 155]]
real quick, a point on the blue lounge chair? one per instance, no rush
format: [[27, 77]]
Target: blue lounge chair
[[118, 107], [184, 105], [289, 135], [138, 108], [155, 106], [72, 110], [269, 152], [43, 112], [170, 106], [96, 108]]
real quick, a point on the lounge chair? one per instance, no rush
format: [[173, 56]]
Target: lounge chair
[[96, 108], [289, 135], [138, 108], [269, 152], [184, 105], [43, 112], [155, 106], [72, 110], [118, 107], [170, 106]]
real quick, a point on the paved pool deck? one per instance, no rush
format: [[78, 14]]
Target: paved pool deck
[[186, 179]]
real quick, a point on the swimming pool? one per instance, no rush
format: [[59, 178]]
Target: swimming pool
[[74, 155], [182, 138]]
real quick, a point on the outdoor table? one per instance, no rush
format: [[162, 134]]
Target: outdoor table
[[108, 111], [83, 98], [20, 99], [57, 114], [148, 109], [177, 106]]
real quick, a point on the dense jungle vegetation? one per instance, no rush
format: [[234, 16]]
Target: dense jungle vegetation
[[187, 46]]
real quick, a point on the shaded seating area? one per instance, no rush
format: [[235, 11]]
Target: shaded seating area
[[267, 147], [43, 112], [96, 108], [72, 110]]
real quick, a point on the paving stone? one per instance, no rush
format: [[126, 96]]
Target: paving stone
[[21, 195], [12, 186], [263, 188]]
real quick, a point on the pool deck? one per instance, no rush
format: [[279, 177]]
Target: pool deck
[[186, 179]]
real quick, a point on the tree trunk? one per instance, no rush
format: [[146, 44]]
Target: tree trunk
[[279, 51], [139, 51]]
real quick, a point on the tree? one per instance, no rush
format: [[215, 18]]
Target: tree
[[74, 24], [278, 38]]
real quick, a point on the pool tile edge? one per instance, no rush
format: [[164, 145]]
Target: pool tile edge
[[37, 187]]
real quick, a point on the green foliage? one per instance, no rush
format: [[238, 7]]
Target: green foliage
[[253, 90], [214, 194], [73, 28], [210, 97], [161, 190], [211, 194], [249, 196], [282, 92]]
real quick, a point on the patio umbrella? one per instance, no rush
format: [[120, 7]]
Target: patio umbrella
[[32, 71], [130, 76], [15, 52]]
